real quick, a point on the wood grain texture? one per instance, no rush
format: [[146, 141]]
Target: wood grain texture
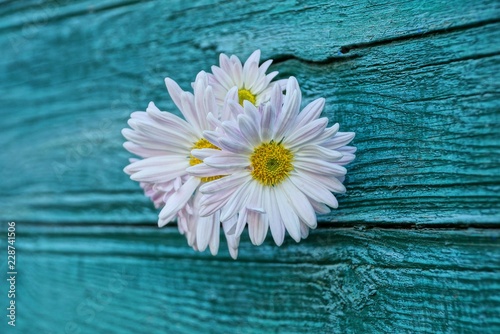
[[141, 280], [417, 80], [429, 149]]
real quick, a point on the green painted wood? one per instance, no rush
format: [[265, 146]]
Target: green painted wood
[[418, 81], [143, 280]]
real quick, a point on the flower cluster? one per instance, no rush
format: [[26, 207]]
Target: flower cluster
[[245, 154]]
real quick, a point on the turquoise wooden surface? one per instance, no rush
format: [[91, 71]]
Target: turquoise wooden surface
[[419, 83], [141, 280], [419, 86]]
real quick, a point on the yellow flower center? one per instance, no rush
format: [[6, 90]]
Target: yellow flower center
[[203, 143], [245, 94], [271, 163]]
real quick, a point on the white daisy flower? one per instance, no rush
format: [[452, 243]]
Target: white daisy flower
[[282, 166], [165, 141], [253, 84]]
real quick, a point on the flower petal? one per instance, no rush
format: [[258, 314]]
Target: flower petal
[[339, 140], [313, 189], [310, 112], [157, 169], [225, 183], [317, 151], [319, 166], [224, 79], [300, 204], [249, 129], [178, 200], [215, 238], [304, 230], [204, 227], [306, 134], [237, 201], [234, 147], [275, 222], [288, 216], [225, 160], [257, 227], [202, 170]]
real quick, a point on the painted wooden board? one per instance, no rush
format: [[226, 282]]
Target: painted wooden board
[[141, 280], [418, 81]]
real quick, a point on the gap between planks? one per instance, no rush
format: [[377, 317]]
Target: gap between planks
[[345, 49]]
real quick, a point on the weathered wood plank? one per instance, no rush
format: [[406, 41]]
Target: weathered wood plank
[[426, 127], [138, 279], [313, 30], [426, 108]]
